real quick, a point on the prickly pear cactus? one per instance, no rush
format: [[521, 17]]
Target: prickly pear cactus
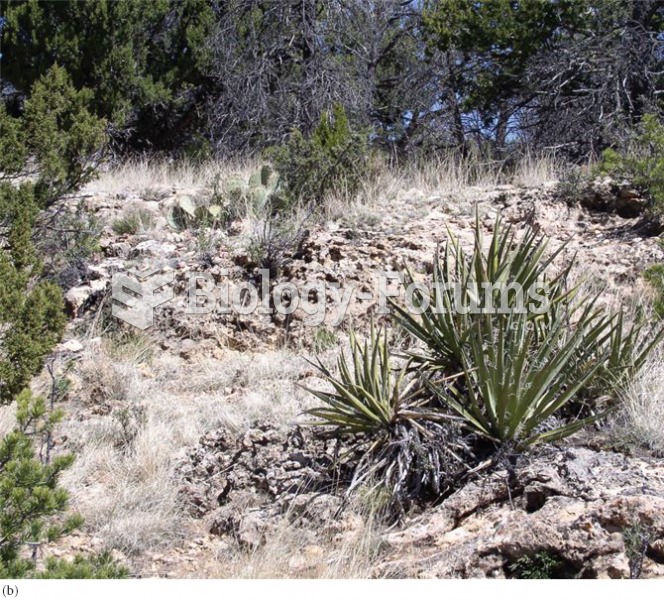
[[182, 213], [186, 213], [235, 198], [261, 189]]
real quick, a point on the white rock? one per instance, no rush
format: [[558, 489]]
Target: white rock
[[70, 346]]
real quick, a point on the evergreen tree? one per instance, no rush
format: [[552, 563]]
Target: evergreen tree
[[56, 135], [145, 61]]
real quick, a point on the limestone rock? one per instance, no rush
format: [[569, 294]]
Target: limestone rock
[[575, 505], [81, 298]]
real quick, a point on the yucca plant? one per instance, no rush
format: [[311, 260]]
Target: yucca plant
[[490, 367], [520, 365], [466, 288], [398, 440], [615, 359], [510, 388], [369, 394], [627, 348]]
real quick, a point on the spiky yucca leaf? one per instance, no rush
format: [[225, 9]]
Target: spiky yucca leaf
[[466, 288], [509, 389], [368, 394], [629, 350]]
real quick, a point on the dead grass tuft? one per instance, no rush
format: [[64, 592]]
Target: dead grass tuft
[[641, 416], [346, 548], [152, 177], [140, 411]]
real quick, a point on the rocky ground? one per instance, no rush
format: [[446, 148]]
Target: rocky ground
[[190, 463], [599, 514]]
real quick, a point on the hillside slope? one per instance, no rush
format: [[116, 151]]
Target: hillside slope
[[189, 462]]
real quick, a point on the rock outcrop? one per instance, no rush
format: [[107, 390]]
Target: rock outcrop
[[609, 242], [598, 514]]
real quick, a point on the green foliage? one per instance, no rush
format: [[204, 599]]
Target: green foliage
[[63, 135], [198, 150], [13, 149], [367, 395], [177, 75], [58, 131], [33, 505], [333, 160], [31, 312], [33, 325], [60, 134], [637, 537], [53, 142], [184, 213], [515, 378], [145, 61], [231, 199], [502, 37], [262, 190], [400, 444], [18, 211], [30, 499], [101, 566], [67, 243], [464, 288], [541, 565], [505, 354], [235, 198], [627, 350], [520, 360], [188, 213], [33, 329], [642, 162], [324, 339], [573, 184]]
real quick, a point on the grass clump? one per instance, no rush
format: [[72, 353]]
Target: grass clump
[[324, 340], [636, 537], [133, 222], [654, 275], [541, 565]]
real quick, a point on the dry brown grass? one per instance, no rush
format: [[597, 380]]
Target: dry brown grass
[[7, 419], [105, 382], [152, 175], [641, 416], [121, 481], [444, 174], [138, 409], [248, 386], [445, 177], [452, 175], [344, 548], [535, 171]]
